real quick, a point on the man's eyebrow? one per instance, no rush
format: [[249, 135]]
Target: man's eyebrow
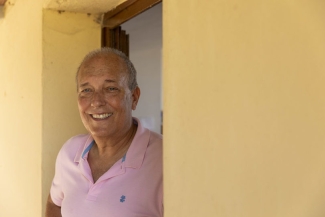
[[84, 84], [110, 81], [107, 80]]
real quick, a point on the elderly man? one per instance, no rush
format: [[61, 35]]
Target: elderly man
[[116, 169]]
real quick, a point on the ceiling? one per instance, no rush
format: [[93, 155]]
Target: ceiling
[[82, 6]]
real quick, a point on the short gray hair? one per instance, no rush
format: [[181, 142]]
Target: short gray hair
[[132, 73]]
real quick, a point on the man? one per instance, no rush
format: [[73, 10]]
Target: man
[[115, 170]]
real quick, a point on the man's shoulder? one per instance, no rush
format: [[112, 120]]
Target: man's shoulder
[[155, 142], [155, 137], [153, 153]]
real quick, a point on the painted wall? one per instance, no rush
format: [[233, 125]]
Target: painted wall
[[67, 38], [20, 108], [38, 61], [244, 108], [145, 32], [243, 103]]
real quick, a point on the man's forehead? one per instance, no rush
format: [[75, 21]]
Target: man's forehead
[[105, 73], [85, 79]]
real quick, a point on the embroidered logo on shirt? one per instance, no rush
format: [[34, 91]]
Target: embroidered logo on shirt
[[122, 199]]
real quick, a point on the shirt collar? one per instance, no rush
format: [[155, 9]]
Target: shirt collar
[[82, 153], [135, 154]]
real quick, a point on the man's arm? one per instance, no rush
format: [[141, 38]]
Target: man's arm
[[52, 210]]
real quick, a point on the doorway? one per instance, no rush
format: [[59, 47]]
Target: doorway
[[145, 51]]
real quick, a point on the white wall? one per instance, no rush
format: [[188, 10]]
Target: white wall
[[145, 32]]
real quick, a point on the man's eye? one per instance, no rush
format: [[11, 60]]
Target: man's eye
[[111, 89], [87, 90]]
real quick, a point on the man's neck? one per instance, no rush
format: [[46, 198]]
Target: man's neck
[[112, 146]]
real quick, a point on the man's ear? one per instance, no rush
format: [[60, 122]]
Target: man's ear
[[135, 97]]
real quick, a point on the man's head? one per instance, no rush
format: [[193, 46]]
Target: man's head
[[107, 93], [106, 51]]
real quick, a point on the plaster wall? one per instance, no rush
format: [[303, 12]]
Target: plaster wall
[[67, 38], [39, 55], [244, 108], [20, 108]]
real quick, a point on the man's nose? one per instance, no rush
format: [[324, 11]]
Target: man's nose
[[98, 100]]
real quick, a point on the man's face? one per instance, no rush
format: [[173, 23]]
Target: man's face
[[104, 99]]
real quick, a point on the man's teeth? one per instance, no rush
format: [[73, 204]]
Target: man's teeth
[[101, 116]]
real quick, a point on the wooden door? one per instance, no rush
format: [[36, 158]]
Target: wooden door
[[112, 34], [116, 38]]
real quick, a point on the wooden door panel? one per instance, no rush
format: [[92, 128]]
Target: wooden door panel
[[116, 38]]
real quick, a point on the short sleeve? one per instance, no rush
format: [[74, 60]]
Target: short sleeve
[[56, 191]]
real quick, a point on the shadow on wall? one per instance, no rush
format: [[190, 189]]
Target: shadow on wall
[[2, 3], [1, 12]]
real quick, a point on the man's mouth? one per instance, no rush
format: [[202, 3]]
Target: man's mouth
[[101, 116]]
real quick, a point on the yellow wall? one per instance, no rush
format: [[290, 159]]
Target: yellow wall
[[67, 37], [20, 109], [244, 116], [39, 54], [244, 108]]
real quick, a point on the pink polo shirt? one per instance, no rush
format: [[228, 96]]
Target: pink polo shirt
[[132, 187]]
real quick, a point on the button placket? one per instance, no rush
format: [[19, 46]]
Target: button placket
[[93, 191]]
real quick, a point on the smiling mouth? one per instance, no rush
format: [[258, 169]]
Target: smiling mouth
[[101, 116]]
